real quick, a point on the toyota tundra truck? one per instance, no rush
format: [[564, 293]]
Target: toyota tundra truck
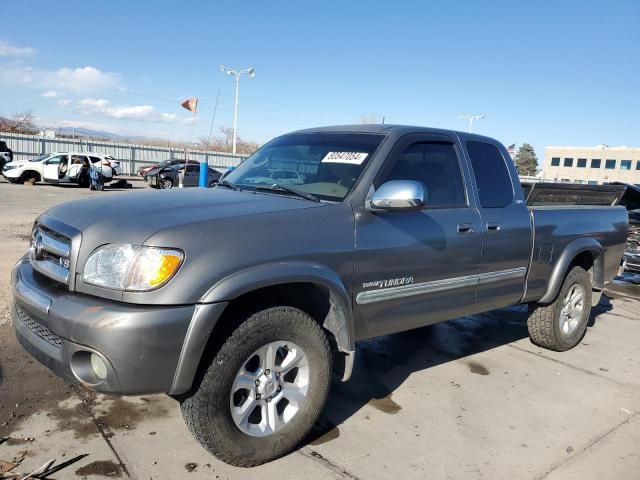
[[241, 301]]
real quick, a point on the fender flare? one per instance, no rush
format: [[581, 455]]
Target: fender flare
[[339, 319], [570, 252]]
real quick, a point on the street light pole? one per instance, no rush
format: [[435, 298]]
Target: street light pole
[[235, 114], [237, 73], [471, 117]]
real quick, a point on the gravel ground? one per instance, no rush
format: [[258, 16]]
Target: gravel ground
[[470, 398]]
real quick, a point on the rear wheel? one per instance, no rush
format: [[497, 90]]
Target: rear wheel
[[264, 389], [561, 324], [166, 183]]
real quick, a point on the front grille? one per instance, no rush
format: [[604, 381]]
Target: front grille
[[50, 253], [40, 330]]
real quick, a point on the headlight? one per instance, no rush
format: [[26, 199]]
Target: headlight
[[132, 268], [9, 167]]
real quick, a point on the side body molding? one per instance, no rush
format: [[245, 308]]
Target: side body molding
[[578, 246], [338, 321]]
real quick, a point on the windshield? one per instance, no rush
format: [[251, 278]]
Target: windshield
[[326, 165], [40, 158]]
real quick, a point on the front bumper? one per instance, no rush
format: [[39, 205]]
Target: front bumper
[[12, 174], [631, 261], [140, 345]]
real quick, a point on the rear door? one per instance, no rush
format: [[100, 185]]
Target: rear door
[[192, 175], [506, 226], [75, 168], [414, 268]]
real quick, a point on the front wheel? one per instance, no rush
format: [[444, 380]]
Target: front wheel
[[264, 389], [166, 183], [561, 324]]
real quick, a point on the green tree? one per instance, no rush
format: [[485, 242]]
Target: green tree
[[526, 160]]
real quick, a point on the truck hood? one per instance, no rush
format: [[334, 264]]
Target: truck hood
[[133, 217]]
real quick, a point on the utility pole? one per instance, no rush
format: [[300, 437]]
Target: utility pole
[[471, 117], [251, 72]]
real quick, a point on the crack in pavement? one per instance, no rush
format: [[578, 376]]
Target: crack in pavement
[[573, 367], [312, 454], [103, 433], [592, 443]]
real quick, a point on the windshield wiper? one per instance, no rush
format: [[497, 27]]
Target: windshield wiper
[[276, 187], [230, 185]]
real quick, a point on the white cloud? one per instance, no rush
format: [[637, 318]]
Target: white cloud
[[86, 78], [81, 79], [8, 50], [63, 102], [50, 94], [146, 113]]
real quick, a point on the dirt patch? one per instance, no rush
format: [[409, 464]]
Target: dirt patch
[[478, 368], [27, 387], [124, 415], [110, 414], [385, 404], [103, 468]]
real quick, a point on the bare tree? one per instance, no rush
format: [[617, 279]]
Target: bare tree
[[224, 142], [22, 122], [370, 118]]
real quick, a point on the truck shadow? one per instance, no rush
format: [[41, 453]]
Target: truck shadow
[[384, 363]]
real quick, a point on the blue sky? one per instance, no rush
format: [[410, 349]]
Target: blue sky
[[545, 72]]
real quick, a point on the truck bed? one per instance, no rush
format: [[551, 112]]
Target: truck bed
[[555, 227]]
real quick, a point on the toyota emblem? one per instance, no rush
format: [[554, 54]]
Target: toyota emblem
[[37, 249]]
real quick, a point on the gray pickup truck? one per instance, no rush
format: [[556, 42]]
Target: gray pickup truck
[[240, 301]]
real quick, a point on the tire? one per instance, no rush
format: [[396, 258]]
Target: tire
[[165, 184], [207, 411], [29, 177], [548, 325]]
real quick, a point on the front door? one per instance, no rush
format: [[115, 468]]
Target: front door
[[415, 268], [51, 169]]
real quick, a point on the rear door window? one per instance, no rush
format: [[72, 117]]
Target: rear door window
[[493, 180]]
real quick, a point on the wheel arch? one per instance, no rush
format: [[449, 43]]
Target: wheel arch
[[25, 174], [314, 288], [585, 252]]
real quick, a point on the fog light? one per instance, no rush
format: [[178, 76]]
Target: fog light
[[98, 366]]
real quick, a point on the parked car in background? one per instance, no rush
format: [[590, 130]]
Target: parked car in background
[[67, 167], [144, 170], [6, 154], [631, 200], [282, 177], [165, 177]]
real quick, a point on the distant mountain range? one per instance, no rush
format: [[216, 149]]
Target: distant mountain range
[[87, 132]]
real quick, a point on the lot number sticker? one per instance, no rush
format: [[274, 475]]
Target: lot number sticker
[[352, 158]]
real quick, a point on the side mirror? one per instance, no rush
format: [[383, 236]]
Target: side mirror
[[399, 195]]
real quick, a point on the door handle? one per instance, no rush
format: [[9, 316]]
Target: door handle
[[465, 228], [493, 226]]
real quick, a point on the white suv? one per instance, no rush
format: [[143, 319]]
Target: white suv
[[67, 167]]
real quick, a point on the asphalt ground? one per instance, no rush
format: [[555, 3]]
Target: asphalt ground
[[467, 399]]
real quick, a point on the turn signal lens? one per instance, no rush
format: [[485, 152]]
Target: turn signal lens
[[153, 267], [168, 265]]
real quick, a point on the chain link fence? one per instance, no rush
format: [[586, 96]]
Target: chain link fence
[[130, 156]]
